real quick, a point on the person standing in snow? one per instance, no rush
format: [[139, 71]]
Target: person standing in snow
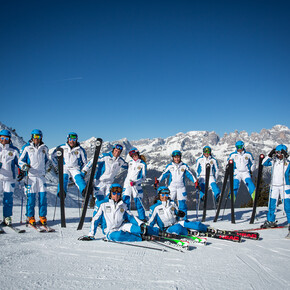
[[200, 169], [117, 223], [167, 216], [108, 166], [280, 183], [34, 161], [9, 155], [132, 186], [75, 157], [243, 167], [176, 171]]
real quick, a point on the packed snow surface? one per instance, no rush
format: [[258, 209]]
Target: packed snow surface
[[34, 260]]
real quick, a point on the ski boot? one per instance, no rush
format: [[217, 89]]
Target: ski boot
[[43, 220], [31, 220], [7, 221], [268, 224]]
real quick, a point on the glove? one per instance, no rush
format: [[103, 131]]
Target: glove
[[180, 213], [20, 175], [25, 167], [197, 185], [132, 183], [273, 151], [284, 153], [55, 170], [156, 183]]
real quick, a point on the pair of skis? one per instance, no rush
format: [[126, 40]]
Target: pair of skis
[[88, 190]]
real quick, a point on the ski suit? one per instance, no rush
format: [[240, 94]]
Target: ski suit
[[280, 185], [176, 174], [137, 174], [113, 217], [38, 160], [74, 160], [243, 166], [108, 167], [8, 165], [200, 169], [163, 213]]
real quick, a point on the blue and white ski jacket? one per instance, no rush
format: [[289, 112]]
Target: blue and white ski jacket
[[280, 170], [108, 167], [36, 157], [176, 174], [137, 172], [243, 161], [163, 213], [9, 155], [74, 158], [200, 166]]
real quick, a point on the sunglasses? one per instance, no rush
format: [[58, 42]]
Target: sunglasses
[[5, 138], [36, 136], [114, 193]]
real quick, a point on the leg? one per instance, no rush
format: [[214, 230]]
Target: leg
[[195, 226], [8, 198], [80, 182], [177, 229], [182, 198], [127, 196], [42, 199], [287, 202], [274, 196], [120, 236]]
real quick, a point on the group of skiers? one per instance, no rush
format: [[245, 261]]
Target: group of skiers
[[112, 204]]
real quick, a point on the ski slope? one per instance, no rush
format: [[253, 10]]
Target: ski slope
[[58, 260]]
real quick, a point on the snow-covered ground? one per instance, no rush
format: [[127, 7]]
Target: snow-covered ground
[[59, 261]]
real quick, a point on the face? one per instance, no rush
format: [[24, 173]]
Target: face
[[206, 154], [279, 155], [4, 140], [135, 156], [115, 197], [36, 141], [164, 197], [116, 152], [176, 159], [72, 142]]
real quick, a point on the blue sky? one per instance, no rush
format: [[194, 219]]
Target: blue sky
[[143, 69]]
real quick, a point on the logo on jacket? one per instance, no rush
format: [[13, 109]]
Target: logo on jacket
[[172, 208], [108, 209], [139, 167], [122, 210], [246, 158], [182, 170], [76, 152], [10, 153], [43, 151]]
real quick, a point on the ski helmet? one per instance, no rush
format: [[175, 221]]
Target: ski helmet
[[240, 144], [281, 147], [5, 133], [133, 151], [118, 146], [117, 188], [176, 153], [206, 149], [72, 135], [163, 189], [36, 133]]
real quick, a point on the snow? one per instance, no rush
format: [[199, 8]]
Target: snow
[[59, 261]]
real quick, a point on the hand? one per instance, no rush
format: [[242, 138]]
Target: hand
[[197, 185], [55, 170], [132, 183], [21, 175], [284, 153], [25, 167], [156, 183], [180, 213], [273, 151]]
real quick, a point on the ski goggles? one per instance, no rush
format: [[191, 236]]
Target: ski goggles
[[207, 151], [165, 194], [72, 139], [132, 152], [174, 154], [116, 190], [119, 147], [114, 193], [239, 146], [36, 136], [5, 138]]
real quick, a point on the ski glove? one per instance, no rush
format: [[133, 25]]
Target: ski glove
[[20, 175], [180, 213], [273, 151], [25, 167], [132, 183], [197, 185], [156, 183], [284, 153]]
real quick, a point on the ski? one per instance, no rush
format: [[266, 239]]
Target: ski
[[258, 229], [228, 237], [190, 238], [246, 235], [256, 193], [231, 175], [40, 230], [61, 185], [134, 245], [179, 244], [207, 173], [16, 230], [90, 185], [2, 230], [47, 228], [222, 193]]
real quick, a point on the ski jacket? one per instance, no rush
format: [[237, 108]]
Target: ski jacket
[[73, 158], [243, 161], [177, 173], [36, 157], [136, 172], [9, 155], [280, 170], [200, 166], [108, 167], [163, 213], [112, 215]]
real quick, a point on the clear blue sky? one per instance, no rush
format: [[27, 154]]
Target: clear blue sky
[[143, 69]]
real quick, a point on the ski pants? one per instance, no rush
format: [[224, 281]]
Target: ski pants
[[246, 178], [7, 188], [77, 177], [178, 191], [36, 185], [276, 191], [181, 227], [212, 185], [136, 192]]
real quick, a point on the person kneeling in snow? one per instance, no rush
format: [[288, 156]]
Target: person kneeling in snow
[[113, 215], [165, 214]]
